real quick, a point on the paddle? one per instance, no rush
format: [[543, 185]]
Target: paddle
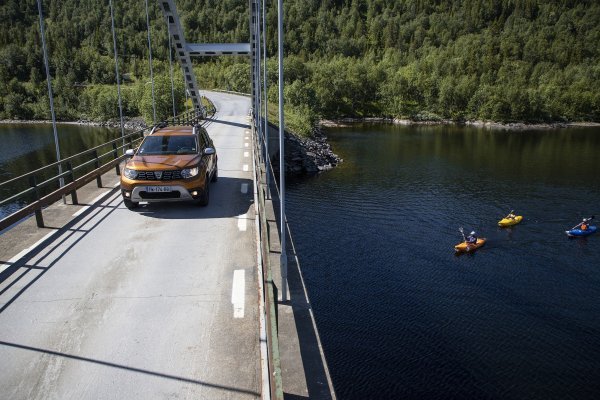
[[579, 224], [511, 211], [461, 230]]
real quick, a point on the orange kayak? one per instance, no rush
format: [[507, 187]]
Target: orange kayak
[[466, 248]]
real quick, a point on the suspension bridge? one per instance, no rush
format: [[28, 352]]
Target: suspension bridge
[[97, 301]]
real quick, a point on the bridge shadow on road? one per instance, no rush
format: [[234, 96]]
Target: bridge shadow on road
[[127, 368], [218, 121], [226, 201], [48, 253]]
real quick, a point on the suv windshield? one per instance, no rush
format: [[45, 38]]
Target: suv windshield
[[156, 145]]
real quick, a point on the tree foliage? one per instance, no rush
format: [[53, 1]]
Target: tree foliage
[[504, 60]]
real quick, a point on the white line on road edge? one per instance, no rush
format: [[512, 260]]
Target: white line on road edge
[[81, 211], [245, 168], [244, 188], [238, 293], [97, 198], [246, 154], [24, 252], [242, 222]]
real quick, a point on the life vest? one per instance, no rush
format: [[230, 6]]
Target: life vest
[[584, 227]]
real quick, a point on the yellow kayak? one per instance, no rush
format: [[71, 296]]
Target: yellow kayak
[[465, 247], [510, 221]]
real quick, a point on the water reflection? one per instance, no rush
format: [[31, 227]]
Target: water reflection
[[400, 316], [26, 147]]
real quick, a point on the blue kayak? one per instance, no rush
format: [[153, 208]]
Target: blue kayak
[[578, 232]]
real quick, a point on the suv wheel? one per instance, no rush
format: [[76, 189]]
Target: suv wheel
[[203, 199], [215, 176], [130, 204]]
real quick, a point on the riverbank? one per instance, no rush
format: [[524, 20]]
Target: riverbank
[[346, 122], [130, 124], [308, 156]]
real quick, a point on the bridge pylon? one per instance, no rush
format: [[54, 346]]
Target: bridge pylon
[[186, 50]]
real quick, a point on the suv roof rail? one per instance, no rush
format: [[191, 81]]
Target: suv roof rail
[[158, 126]]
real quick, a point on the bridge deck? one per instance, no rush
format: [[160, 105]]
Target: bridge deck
[[138, 304]]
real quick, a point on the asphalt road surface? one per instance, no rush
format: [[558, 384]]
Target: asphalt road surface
[[159, 302]]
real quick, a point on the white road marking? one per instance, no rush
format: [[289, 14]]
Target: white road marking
[[242, 222], [246, 154], [81, 211], [24, 252], [245, 167], [96, 199], [46, 236], [117, 184], [244, 188], [238, 293], [245, 144]]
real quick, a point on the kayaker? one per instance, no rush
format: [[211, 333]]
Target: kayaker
[[584, 224], [472, 238], [511, 216]]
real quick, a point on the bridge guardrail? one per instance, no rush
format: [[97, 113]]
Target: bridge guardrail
[[38, 188], [270, 289]]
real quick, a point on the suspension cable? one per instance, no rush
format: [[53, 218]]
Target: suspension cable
[[150, 62], [266, 123], [171, 68], [112, 24], [50, 96]]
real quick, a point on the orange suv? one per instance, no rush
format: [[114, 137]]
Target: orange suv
[[174, 163]]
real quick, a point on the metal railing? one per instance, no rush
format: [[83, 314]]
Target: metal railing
[[44, 186], [270, 288]]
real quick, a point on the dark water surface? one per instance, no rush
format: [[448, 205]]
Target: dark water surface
[[402, 317], [26, 147]]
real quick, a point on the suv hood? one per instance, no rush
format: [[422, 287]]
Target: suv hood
[[163, 162]]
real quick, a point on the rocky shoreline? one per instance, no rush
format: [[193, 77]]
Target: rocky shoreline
[[130, 124], [307, 156], [346, 122]]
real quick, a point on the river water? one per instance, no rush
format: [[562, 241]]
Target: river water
[[401, 316], [26, 147]]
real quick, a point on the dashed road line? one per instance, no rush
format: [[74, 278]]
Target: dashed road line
[[238, 293]]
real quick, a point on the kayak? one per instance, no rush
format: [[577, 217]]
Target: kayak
[[579, 232], [510, 221], [464, 247]]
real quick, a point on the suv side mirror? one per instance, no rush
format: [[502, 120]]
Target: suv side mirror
[[129, 152], [209, 151]]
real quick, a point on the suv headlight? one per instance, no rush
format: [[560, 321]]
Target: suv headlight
[[130, 173], [189, 172]]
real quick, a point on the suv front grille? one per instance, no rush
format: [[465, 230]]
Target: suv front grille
[[154, 175]]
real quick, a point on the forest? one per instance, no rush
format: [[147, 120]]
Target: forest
[[495, 60]]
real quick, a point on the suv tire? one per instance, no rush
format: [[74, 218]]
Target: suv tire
[[130, 204], [215, 175], [203, 199]]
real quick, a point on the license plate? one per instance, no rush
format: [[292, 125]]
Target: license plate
[[158, 189]]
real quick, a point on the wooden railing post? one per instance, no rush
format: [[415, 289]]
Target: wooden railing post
[[72, 179], [97, 165], [115, 156], [38, 212]]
